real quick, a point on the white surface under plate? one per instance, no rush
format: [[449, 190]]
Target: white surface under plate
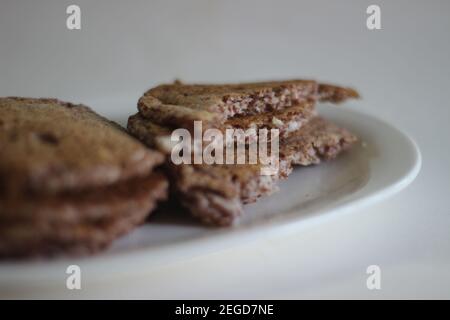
[[383, 163]]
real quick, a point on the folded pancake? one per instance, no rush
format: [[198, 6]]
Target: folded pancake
[[215, 193], [237, 105]]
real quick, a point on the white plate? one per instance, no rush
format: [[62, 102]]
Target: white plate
[[386, 162]]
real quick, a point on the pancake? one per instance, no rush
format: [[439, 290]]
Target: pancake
[[77, 224], [179, 105], [49, 146], [215, 193], [70, 180]]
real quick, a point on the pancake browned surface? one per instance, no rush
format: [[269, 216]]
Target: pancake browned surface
[[51, 146], [180, 104], [71, 181]]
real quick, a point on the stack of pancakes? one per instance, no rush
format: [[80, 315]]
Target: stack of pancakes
[[215, 193], [70, 180]]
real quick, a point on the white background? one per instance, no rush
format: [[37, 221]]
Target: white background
[[402, 72]]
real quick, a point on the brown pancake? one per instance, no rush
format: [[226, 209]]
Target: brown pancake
[[50, 146], [180, 104], [70, 180], [215, 193], [318, 140], [287, 120], [81, 222]]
